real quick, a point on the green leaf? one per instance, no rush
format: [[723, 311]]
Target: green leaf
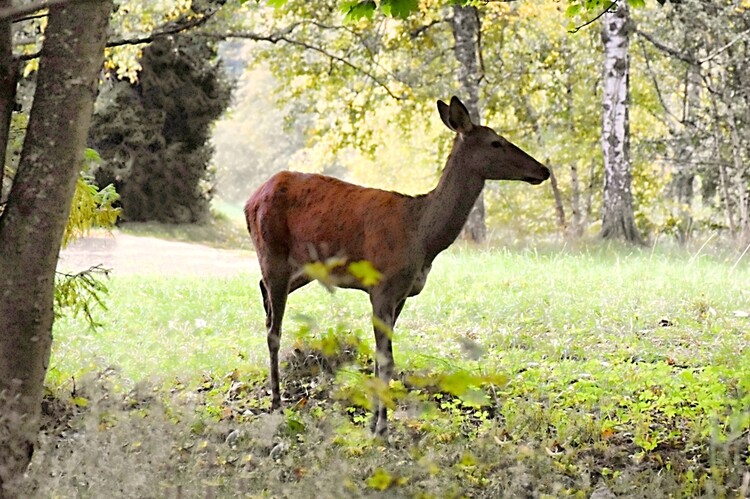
[[399, 8], [273, 3], [457, 383], [91, 155], [323, 271], [573, 10], [90, 208], [294, 424], [79, 293], [354, 11]]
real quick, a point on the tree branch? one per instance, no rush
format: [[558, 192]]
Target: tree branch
[[30, 17], [725, 47], [283, 36], [14, 13], [666, 49], [655, 82], [171, 29], [415, 33], [591, 21]]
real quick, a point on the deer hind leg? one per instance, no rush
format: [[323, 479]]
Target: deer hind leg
[[275, 289], [266, 303]]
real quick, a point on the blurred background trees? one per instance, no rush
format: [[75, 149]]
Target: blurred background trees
[[348, 89], [153, 134], [359, 97]]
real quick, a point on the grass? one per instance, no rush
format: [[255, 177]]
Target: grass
[[225, 228], [522, 373]]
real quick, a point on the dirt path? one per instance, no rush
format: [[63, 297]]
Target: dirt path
[[126, 254]]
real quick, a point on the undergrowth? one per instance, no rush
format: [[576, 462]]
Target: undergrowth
[[453, 435], [519, 375]]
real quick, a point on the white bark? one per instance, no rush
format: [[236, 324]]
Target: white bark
[[618, 220]]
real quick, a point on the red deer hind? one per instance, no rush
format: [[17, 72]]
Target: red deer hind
[[297, 218]]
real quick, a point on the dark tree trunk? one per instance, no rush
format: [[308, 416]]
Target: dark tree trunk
[[8, 73], [575, 229], [618, 220], [465, 25], [32, 224], [739, 172], [683, 179]]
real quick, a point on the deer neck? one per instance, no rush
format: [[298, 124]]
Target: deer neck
[[447, 206]]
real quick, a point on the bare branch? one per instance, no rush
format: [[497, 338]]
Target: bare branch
[[667, 49], [591, 21], [655, 82], [725, 47], [415, 33], [15, 13], [172, 29], [30, 17], [283, 36]]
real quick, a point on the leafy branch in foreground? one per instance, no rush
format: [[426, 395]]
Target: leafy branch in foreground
[[92, 207], [79, 293]]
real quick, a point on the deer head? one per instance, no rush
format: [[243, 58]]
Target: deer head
[[486, 153]]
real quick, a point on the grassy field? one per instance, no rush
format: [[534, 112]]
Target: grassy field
[[521, 373]]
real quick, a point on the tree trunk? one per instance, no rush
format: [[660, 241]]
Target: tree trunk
[[32, 224], [465, 25], [8, 74], [559, 208], [576, 223], [575, 228], [739, 174], [683, 179], [618, 220]]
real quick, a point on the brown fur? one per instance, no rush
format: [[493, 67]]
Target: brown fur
[[298, 218]]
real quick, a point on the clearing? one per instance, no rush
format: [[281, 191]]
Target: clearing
[[127, 254]]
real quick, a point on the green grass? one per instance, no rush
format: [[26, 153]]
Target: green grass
[[612, 368], [224, 229]]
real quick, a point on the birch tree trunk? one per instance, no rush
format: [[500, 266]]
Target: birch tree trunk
[[618, 220], [465, 25], [32, 224]]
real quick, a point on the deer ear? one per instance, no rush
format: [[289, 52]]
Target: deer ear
[[458, 116], [444, 111]]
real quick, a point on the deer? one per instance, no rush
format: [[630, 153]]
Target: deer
[[296, 219]]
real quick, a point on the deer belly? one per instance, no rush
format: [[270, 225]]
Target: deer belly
[[419, 281]]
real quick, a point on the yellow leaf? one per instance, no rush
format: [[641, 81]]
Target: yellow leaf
[[380, 480], [365, 272], [81, 401]]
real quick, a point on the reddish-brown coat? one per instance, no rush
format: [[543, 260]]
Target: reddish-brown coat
[[329, 218], [296, 218]]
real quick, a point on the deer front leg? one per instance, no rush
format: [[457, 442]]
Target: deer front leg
[[385, 314]]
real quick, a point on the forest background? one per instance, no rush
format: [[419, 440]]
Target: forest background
[[640, 109]]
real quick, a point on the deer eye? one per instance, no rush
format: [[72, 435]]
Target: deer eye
[[496, 144]]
